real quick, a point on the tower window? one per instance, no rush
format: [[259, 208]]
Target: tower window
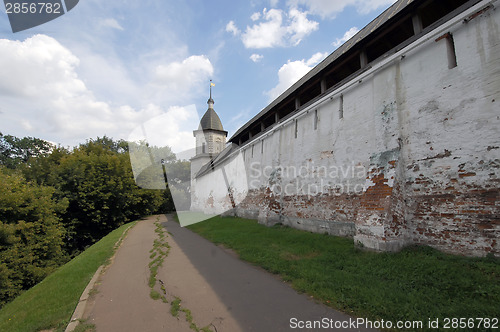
[[203, 147]]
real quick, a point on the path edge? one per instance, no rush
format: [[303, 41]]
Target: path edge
[[82, 302]]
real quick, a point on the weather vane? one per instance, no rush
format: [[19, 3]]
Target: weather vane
[[211, 85]]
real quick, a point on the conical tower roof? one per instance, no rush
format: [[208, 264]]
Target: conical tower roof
[[211, 121]]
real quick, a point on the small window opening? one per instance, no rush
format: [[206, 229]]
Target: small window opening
[[315, 119], [296, 128], [341, 107], [452, 55]]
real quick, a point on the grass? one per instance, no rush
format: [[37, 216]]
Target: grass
[[175, 307], [154, 295], [415, 284], [51, 303], [158, 253]]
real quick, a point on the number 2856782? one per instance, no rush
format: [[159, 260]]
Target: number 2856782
[[32, 8]]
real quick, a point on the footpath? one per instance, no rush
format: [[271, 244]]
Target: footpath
[[216, 290]]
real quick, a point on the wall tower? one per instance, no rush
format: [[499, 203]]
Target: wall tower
[[210, 138]]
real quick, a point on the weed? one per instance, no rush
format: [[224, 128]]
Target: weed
[[158, 256], [160, 250], [154, 294], [175, 307]]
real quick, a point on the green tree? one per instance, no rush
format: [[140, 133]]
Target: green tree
[[43, 169], [102, 193], [15, 151], [54, 202], [119, 146], [31, 234]]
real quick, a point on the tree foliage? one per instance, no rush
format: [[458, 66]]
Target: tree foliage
[[31, 234], [15, 151], [54, 202], [102, 193]]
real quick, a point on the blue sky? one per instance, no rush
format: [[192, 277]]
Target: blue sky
[[108, 67]]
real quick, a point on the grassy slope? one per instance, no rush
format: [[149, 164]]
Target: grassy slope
[[417, 283], [52, 302]]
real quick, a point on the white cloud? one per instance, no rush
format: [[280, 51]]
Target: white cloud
[[42, 95], [265, 34], [315, 59], [37, 68], [111, 23], [292, 71], [182, 77], [276, 28], [176, 119], [300, 26], [255, 16], [231, 27], [329, 8], [347, 35], [256, 57]]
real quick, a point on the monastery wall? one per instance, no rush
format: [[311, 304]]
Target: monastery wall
[[407, 152]]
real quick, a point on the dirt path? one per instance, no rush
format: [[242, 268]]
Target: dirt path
[[219, 291], [123, 302]]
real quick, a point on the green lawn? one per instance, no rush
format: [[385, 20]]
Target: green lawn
[[417, 283], [52, 302]]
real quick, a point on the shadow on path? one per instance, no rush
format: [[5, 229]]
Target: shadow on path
[[258, 300]]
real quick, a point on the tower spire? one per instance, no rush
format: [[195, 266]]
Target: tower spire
[[210, 101]]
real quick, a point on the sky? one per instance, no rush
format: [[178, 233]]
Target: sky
[[141, 69]]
